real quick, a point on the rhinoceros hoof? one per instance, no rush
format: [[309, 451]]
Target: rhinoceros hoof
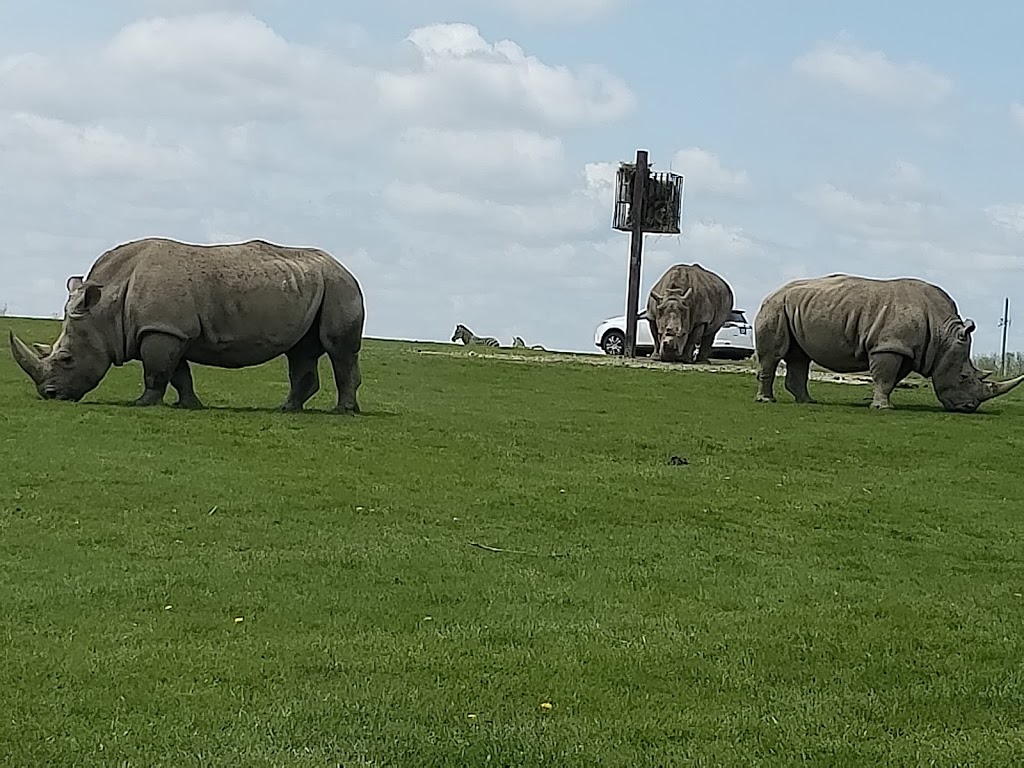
[[764, 399], [882, 406], [347, 410]]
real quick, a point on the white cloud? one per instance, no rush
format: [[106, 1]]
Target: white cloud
[[1007, 215], [883, 216], [717, 239], [872, 75], [905, 177], [201, 6], [563, 10], [600, 178], [234, 66], [1017, 114], [460, 76], [552, 219], [497, 161], [90, 151], [223, 64], [705, 174]]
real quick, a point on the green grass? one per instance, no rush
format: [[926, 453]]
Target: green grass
[[823, 585]]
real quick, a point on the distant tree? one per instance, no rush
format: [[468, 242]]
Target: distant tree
[[1014, 363], [3, 309]]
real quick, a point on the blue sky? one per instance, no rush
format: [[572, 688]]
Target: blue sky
[[874, 138]]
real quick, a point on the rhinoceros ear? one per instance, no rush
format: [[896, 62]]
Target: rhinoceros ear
[[92, 296], [88, 297], [969, 326], [75, 282]]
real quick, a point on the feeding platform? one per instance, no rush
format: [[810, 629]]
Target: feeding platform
[[662, 204]]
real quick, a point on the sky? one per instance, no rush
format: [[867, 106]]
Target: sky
[[458, 156]]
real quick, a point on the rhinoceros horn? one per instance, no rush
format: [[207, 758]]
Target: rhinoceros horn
[[997, 388], [26, 358]]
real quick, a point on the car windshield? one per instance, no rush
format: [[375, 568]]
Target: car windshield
[[737, 316]]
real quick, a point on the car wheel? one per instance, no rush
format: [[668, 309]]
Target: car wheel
[[614, 343]]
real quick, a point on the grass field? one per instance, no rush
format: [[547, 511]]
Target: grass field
[[823, 585]]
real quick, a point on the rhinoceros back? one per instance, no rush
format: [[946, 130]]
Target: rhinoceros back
[[839, 320], [234, 305]]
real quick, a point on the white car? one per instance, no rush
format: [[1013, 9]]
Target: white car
[[734, 341]]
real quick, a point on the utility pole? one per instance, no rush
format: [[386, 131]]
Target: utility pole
[[636, 247], [1004, 323]]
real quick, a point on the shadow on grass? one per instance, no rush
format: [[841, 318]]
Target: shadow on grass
[[909, 407], [252, 409]]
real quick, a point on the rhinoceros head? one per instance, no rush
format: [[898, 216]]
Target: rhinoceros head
[[673, 321], [958, 385], [72, 366]]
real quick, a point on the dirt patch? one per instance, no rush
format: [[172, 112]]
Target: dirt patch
[[601, 360]]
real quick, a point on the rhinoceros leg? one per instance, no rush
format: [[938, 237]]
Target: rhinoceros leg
[[656, 354], [887, 370], [767, 365], [181, 380], [160, 354], [303, 375], [798, 371], [772, 339], [347, 377], [706, 340], [691, 343]]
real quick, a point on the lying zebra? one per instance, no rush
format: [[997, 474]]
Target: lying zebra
[[517, 342], [463, 334]]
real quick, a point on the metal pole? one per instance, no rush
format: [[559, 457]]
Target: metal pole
[[636, 246], [1005, 323]]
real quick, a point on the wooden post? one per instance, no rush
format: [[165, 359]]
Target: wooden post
[[1005, 323], [636, 246]]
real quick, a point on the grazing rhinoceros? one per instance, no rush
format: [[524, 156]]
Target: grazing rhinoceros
[[687, 307], [890, 328], [169, 304]]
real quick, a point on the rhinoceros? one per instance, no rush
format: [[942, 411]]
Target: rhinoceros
[[169, 303], [889, 327], [686, 307]]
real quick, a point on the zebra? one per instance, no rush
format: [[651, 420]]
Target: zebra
[[517, 342], [463, 334]]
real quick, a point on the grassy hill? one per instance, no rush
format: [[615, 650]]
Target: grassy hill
[[823, 585]]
